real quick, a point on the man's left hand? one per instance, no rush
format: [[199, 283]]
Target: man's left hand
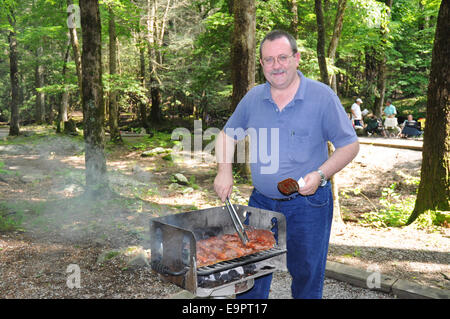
[[312, 182]]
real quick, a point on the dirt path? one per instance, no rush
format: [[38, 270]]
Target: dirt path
[[4, 132], [43, 184]]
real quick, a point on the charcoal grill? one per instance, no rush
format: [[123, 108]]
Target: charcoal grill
[[173, 250]]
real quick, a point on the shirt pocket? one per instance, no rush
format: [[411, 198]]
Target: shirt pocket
[[299, 147]]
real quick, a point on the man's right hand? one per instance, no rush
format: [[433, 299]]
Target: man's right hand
[[223, 183]]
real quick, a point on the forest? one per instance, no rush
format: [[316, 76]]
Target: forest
[[168, 59]]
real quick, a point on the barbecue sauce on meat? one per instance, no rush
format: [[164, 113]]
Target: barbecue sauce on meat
[[229, 246]]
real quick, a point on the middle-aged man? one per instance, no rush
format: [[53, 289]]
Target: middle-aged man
[[291, 118]]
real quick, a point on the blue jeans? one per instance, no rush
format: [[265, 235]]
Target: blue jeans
[[308, 226]]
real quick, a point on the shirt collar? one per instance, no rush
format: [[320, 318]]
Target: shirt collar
[[299, 95]]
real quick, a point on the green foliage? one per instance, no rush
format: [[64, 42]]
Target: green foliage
[[159, 139], [396, 210], [195, 70], [3, 171], [11, 217]]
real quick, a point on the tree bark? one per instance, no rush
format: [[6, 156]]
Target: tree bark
[[370, 75], [142, 104], [155, 31], [382, 68], [39, 83], [294, 22], [321, 42], [113, 107], [92, 99], [337, 30], [76, 52], [434, 187], [14, 75], [64, 103], [243, 48], [243, 59]]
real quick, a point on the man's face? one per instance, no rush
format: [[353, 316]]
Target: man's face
[[279, 74]]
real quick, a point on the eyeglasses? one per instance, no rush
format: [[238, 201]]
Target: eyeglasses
[[281, 59]]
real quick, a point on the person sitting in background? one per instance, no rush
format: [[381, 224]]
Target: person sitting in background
[[390, 110], [374, 126], [411, 128]]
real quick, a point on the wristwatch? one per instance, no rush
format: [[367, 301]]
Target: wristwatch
[[323, 180]]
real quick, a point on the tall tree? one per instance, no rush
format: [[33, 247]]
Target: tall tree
[[14, 75], [434, 187], [337, 30], [113, 105], [324, 72], [382, 61], [64, 101], [92, 98], [39, 83], [243, 59], [157, 15], [142, 104], [321, 42], [243, 48], [72, 24], [294, 22]]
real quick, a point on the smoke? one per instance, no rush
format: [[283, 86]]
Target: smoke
[[47, 174]]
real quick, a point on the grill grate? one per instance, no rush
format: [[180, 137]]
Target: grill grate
[[241, 261]]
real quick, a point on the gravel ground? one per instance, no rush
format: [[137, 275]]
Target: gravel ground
[[332, 289]]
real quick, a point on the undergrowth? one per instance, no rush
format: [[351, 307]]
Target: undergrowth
[[394, 209]]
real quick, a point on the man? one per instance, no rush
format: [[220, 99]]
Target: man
[[390, 111], [298, 116], [356, 113]]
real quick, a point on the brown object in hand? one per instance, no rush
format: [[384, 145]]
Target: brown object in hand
[[229, 246], [288, 186]]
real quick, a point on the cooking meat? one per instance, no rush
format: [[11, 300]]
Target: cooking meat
[[229, 246]]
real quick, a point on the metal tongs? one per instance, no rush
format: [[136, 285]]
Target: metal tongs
[[240, 230]]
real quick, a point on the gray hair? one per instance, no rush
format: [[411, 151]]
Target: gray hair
[[276, 34]]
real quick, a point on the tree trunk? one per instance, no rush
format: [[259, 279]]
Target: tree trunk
[[113, 107], [39, 83], [154, 58], [370, 74], [92, 99], [64, 104], [243, 59], [381, 85], [294, 23], [338, 24], [321, 42], [142, 104], [14, 75], [382, 68], [434, 187], [76, 52], [337, 30]]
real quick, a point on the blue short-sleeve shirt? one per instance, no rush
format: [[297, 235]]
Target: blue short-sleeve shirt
[[390, 110], [292, 142]]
